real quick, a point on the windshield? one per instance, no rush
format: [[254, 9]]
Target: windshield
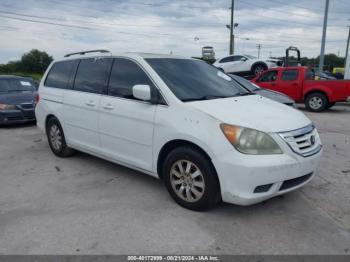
[[16, 85], [192, 80], [250, 56], [245, 83]]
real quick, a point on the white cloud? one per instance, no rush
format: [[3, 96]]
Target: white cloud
[[164, 26]]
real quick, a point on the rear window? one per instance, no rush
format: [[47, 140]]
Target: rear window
[[60, 74], [92, 75], [16, 85], [290, 75], [4, 86]]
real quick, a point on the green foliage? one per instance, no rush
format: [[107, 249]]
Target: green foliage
[[330, 61], [33, 62]]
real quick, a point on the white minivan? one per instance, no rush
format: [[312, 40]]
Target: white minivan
[[180, 120]]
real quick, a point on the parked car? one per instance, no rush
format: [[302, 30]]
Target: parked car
[[17, 100], [277, 96], [245, 64], [324, 76], [299, 84], [180, 120]]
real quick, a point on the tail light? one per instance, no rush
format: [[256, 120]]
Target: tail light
[[37, 98]]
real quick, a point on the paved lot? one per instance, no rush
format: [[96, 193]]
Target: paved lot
[[84, 205]]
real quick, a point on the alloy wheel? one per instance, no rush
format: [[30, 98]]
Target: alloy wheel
[[187, 180], [56, 137], [315, 103]]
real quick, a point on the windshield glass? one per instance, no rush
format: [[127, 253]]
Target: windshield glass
[[16, 85], [245, 83], [192, 80]]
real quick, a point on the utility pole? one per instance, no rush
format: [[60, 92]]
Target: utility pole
[[347, 48], [231, 29], [259, 47], [325, 20]]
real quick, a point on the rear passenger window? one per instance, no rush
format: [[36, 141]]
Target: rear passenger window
[[92, 75], [125, 74], [60, 74], [289, 75]]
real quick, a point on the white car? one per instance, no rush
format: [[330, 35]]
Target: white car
[[245, 64], [180, 120]]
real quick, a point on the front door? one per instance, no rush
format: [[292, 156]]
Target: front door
[[127, 124]]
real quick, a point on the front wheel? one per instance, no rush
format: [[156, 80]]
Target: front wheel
[[316, 102], [191, 179]]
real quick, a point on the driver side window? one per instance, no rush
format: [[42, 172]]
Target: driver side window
[[269, 76]]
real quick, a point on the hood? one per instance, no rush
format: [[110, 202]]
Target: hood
[[276, 96], [254, 112], [17, 98]]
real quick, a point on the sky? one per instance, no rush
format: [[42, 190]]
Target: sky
[[164, 26]]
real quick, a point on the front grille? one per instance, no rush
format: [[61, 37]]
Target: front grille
[[294, 182], [27, 106], [304, 141]]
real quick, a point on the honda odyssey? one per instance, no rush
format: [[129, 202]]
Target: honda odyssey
[[180, 120]]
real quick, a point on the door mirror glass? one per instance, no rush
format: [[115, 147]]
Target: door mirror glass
[[142, 92]]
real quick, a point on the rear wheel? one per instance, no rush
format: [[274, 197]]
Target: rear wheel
[[56, 139], [258, 69], [330, 105], [191, 179], [316, 102]]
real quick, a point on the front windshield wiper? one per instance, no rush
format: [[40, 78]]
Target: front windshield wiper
[[246, 94], [200, 98]]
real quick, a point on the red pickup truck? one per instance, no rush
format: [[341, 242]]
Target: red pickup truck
[[299, 84]]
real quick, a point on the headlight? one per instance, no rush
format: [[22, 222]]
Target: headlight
[[250, 141], [7, 107]]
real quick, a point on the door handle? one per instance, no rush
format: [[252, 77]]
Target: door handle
[[90, 103], [108, 107]]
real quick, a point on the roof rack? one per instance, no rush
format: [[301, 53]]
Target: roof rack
[[89, 51]]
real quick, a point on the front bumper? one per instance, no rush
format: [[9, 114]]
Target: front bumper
[[249, 179], [8, 117]]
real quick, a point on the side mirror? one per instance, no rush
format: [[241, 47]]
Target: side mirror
[[142, 92], [243, 59]]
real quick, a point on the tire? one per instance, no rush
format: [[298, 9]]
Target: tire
[[257, 69], [56, 139], [316, 102], [330, 105], [198, 192]]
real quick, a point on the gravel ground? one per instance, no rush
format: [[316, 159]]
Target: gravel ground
[[85, 205]]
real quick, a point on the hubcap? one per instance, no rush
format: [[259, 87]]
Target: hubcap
[[315, 102], [187, 180], [258, 70], [55, 137]]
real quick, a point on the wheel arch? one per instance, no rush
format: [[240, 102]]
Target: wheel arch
[[171, 145], [259, 63], [309, 92]]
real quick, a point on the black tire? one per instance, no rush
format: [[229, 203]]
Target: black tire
[[62, 150], [257, 69], [330, 105], [211, 192], [316, 102]]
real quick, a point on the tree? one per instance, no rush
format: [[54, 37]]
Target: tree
[[35, 61]]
